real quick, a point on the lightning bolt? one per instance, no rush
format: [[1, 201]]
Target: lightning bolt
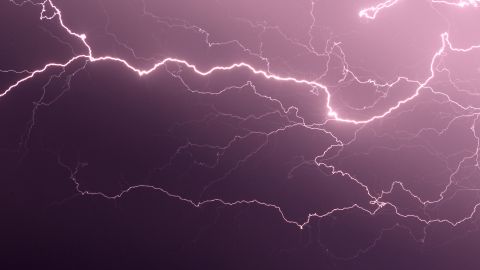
[[377, 201], [372, 12]]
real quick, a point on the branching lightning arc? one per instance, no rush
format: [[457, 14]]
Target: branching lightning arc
[[378, 201]]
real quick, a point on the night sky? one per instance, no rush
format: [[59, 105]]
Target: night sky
[[252, 134]]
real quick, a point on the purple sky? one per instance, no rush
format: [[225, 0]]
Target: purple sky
[[287, 134]]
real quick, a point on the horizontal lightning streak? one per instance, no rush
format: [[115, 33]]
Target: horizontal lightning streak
[[372, 12], [267, 75], [369, 13]]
